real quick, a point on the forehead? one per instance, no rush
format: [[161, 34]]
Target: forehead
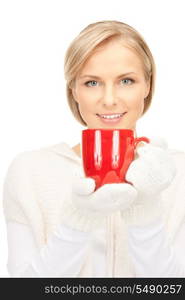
[[111, 56]]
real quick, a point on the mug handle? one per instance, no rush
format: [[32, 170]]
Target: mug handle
[[140, 139]]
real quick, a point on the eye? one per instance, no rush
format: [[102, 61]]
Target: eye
[[90, 83], [126, 80]]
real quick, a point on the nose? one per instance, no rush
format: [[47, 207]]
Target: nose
[[109, 98]]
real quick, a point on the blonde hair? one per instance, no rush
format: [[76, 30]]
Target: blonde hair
[[92, 37]]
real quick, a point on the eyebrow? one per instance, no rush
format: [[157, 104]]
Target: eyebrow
[[97, 77]]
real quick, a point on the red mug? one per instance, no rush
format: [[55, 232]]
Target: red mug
[[107, 154]]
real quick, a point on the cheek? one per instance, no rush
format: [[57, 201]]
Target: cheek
[[135, 102], [85, 97], [136, 106], [85, 106]]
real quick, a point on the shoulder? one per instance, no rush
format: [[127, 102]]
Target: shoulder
[[19, 172], [41, 164], [23, 162], [30, 159], [21, 168]]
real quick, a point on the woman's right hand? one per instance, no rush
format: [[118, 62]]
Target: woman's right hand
[[90, 207]]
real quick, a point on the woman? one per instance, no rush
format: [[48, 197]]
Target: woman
[[56, 226]]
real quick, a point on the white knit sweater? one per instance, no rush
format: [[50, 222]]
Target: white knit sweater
[[36, 184]]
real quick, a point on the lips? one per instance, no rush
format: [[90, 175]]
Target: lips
[[111, 118]]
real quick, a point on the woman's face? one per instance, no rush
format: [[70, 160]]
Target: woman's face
[[110, 89]]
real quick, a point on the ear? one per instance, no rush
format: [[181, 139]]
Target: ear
[[147, 88], [74, 94]]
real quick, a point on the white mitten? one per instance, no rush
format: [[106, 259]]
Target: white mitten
[[150, 173], [153, 170], [87, 209]]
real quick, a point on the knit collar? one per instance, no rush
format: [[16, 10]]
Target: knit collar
[[65, 150]]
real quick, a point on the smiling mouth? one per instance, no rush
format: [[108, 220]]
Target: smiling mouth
[[111, 116], [111, 119]]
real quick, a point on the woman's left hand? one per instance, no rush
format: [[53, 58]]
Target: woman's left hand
[[153, 170]]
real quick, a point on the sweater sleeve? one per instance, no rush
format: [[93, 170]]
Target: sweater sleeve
[[152, 253], [62, 256]]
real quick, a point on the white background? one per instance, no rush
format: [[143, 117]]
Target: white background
[[34, 36]]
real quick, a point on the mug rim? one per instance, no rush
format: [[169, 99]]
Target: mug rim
[[108, 129]]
